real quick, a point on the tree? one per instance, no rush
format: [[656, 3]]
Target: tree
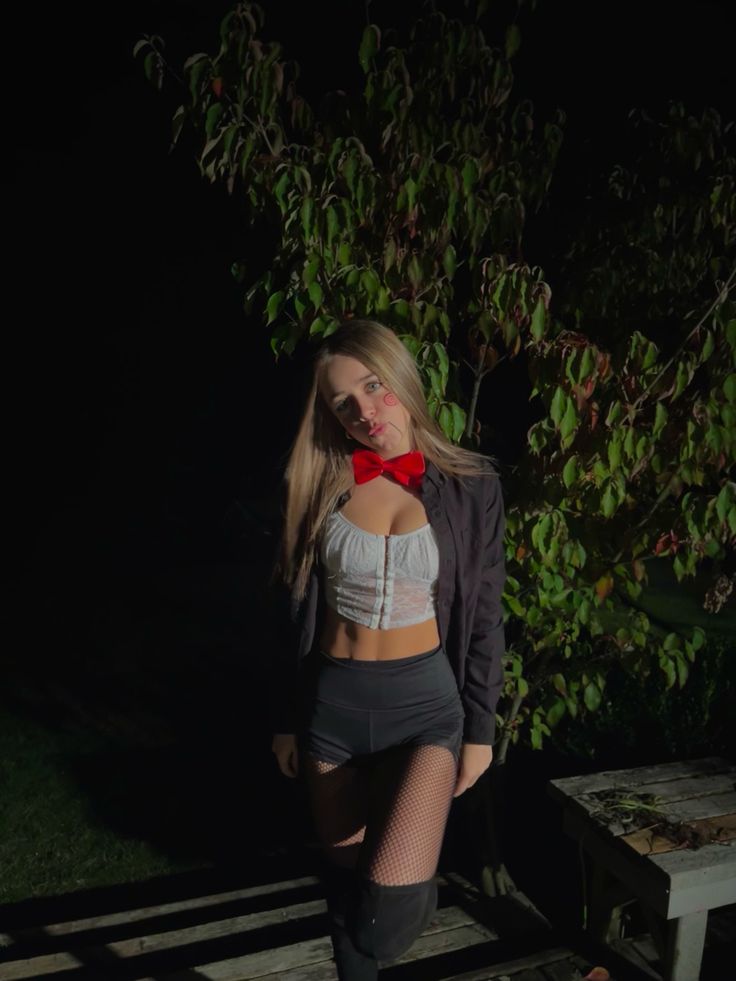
[[407, 202]]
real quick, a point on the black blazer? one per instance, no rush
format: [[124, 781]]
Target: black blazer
[[467, 515]]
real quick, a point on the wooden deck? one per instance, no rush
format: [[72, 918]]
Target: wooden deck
[[277, 930]]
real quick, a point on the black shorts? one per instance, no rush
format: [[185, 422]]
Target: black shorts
[[350, 710]]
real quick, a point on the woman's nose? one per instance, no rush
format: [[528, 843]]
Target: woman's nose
[[365, 411]]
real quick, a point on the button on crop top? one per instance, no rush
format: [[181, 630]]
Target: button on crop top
[[380, 581]]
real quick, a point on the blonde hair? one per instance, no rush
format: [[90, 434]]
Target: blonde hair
[[319, 469]]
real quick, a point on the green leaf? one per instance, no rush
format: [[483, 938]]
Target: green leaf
[[435, 381], [446, 421], [401, 308], [315, 294], [459, 420], [513, 40], [570, 472], [587, 364], [722, 502], [449, 261], [273, 306], [592, 696], [668, 667], [569, 420], [514, 605], [369, 46], [556, 712], [538, 319], [608, 501], [305, 213], [213, 114], [333, 224], [469, 174], [671, 642], [317, 327], [651, 355], [708, 346], [415, 272], [442, 359], [729, 388], [370, 282], [614, 452], [310, 271], [557, 408], [660, 419]]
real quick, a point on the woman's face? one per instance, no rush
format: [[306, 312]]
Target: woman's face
[[365, 408]]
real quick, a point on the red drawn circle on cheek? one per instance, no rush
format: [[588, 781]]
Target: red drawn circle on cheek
[[390, 399]]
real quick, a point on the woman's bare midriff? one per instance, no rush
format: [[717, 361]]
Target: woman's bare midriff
[[345, 638]]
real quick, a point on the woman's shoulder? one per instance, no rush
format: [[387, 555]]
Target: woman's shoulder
[[475, 491]]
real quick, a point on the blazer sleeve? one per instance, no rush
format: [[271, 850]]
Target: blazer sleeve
[[484, 667]]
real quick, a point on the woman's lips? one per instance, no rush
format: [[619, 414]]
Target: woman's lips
[[376, 430]]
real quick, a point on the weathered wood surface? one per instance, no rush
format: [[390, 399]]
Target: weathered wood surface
[[652, 840], [195, 904], [661, 773], [676, 887], [270, 936]]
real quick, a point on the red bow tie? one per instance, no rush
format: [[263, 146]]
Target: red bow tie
[[407, 469]]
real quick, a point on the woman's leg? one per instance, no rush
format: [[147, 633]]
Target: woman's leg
[[337, 797], [410, 798]]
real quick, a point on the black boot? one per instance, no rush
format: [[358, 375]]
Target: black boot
[[351, 964], [384, 921]]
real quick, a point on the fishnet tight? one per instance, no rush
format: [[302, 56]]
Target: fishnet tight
[[387, 819]]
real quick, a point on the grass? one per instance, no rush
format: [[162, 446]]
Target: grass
[[51, 839]]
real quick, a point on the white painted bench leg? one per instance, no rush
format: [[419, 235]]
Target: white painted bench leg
[[684, 947]]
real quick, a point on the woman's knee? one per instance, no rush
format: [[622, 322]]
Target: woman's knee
[[385, 920]]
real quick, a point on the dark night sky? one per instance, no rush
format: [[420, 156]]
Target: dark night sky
[[137, 386]]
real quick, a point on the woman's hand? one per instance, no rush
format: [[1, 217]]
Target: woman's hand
[[284, 746], [474, 760]]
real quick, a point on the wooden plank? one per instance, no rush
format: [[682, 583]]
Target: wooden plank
[[278, 963], [47, 964], [324, 971], [598, 812], [164, 909], [701, 785], [566, 787], [275, 962], [446, 919], [651, 841]]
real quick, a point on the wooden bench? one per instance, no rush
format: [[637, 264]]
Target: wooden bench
[[663, 835]]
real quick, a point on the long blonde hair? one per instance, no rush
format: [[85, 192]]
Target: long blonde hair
[[319, 469]]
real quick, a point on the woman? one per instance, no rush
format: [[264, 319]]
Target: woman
[[384, 696]]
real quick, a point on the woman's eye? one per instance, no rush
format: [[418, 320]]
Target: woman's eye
[[340, 407], [373, 386]]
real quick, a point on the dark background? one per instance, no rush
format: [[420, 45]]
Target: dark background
[[146, 418]]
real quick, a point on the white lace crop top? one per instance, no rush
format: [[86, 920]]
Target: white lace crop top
[[380, 581]]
